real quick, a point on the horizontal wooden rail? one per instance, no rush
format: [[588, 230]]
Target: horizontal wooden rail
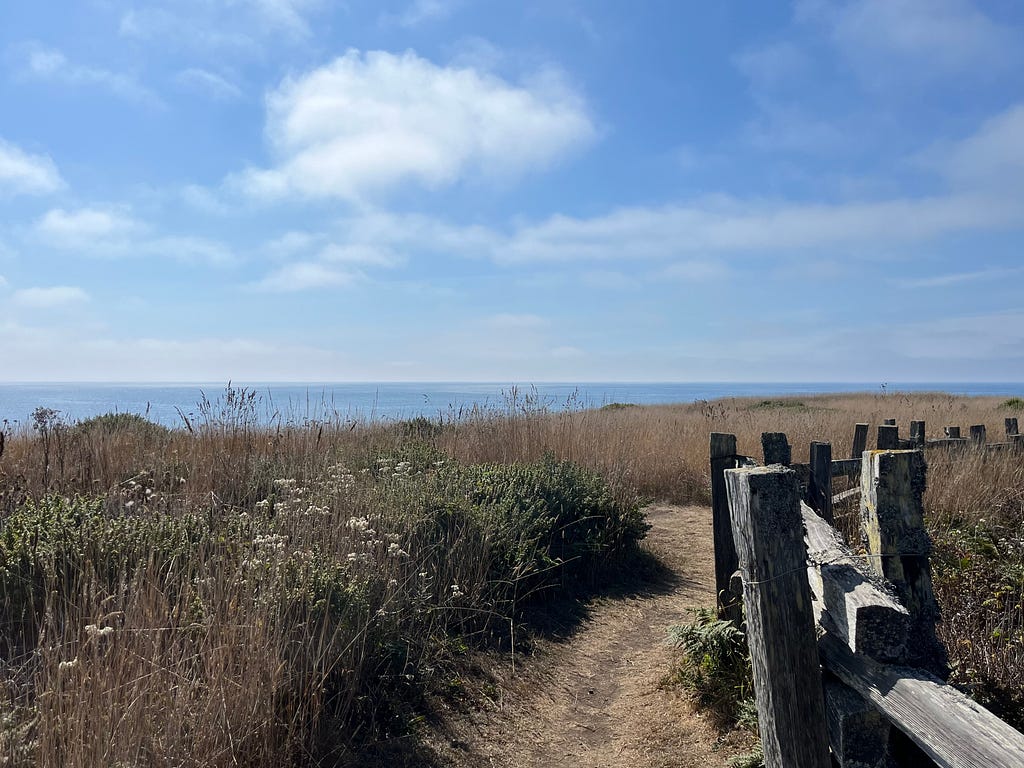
[[953, 730], [850, 601]]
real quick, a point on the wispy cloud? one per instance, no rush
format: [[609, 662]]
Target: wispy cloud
[[114, 233], [304, 276], [24, 173], [421, 11], [222, 26], [49, 298], [959, 278], [51, 65], [209, 83], [893, 41], [84, 227], [369, 122]]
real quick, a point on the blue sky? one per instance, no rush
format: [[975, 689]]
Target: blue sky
[[198, 190]]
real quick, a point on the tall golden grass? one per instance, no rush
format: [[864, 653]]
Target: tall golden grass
[[202, 653]]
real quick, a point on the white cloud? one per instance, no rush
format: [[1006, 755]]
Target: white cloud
[[727, 225], [85, 227], [209, 83], [361, 253], [288, 16], [896, 40], [51, 65], [224, 26], [420, 11], [113, 233], [366, 123], [49, 298], [23, 173], [195, 26], [992, 158], [304, 276]]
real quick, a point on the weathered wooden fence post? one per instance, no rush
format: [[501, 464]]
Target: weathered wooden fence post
[[1011, 428], [819, 489], [917, 433], [888, 437], [776, 449], [889, 422], [953, 432], [723, 457], [978, 434], [892, 523], [860, 440], [767, 529], [858, 733]]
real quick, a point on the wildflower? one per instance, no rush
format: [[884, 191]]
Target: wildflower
[[396, 551], [264, 504], [67, 665], [93, 631], [457, 591]]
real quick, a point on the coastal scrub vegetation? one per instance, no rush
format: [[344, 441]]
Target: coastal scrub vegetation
[[274, 590]]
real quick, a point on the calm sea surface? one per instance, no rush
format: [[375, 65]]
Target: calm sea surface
[[166, 403]]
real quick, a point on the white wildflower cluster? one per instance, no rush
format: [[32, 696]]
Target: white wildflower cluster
[[401, 470], [457, 591], [271, 542], [340, 477], [94, 632], [394, 550], [290, 501]]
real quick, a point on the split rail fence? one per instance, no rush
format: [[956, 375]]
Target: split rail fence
[[846, 663]]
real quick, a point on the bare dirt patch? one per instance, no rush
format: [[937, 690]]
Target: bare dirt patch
[[594, 698]]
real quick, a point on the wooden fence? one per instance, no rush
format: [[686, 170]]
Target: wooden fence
[[846, 663]]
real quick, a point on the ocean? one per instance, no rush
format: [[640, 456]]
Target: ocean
[[167, 403]]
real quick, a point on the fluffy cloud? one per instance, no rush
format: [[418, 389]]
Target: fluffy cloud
[[49, 298], [22, 173], [85, 227], [369, 122]]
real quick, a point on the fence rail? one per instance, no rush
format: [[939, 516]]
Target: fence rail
[[842, 642]]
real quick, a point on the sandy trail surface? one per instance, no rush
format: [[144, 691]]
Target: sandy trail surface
[[595, 698]]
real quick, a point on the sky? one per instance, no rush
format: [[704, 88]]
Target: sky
[[446, 190]]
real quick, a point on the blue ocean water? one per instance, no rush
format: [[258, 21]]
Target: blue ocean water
[[167, 403]]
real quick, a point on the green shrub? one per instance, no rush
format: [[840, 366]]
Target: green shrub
[[130, 423], [1014, 404]]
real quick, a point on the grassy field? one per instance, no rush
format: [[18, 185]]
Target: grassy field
[[231, 591]]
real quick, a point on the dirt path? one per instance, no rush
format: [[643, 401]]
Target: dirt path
[[594, 699]]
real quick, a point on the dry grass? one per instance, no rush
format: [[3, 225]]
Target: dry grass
[[240, 619], [974, 502]]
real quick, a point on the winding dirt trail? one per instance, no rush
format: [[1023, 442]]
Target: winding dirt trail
[[594, 700]]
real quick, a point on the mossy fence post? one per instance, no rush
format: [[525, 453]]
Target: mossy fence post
[[768, 535], [898, 547]]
